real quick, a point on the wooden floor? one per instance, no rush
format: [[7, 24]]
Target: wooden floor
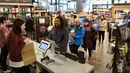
[[101, 58]]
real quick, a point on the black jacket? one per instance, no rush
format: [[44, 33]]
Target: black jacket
[[29, 25], [61, 37]]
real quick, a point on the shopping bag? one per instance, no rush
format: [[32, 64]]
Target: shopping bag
[[28, 54]]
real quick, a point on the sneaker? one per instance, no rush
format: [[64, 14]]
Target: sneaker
[[7, 71]]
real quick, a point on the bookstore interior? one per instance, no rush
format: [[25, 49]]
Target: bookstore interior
[[42, 50]]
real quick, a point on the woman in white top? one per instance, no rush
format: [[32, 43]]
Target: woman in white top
[[103, 27]]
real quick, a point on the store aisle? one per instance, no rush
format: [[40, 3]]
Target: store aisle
[[101, 58]]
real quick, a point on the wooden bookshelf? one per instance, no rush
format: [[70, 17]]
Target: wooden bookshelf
[[11, 10], [16, 4]]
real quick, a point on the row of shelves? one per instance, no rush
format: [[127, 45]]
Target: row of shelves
[[101, 8], [12, 12]]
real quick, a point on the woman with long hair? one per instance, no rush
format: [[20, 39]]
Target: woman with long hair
[[15, 44]]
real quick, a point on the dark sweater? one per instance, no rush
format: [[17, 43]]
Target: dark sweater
[[29, 25], [15, 46], [61, 37]]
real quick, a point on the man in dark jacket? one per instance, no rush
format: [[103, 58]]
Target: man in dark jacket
[[29, 27], [60, 34]]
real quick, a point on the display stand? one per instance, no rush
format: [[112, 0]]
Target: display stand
[[116, 54], [120, 39], [41, 27]]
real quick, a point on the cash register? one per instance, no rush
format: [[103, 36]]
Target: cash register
[[44, 47]]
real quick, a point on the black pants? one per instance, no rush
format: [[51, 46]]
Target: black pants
[[101, 34], [4, 54], [94, 44], [74, 49], [22, 69], [89, 51]]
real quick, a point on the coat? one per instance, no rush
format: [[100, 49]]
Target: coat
[[103, 25], [29, 25], [61, 37], [89, 37], [79, 35]]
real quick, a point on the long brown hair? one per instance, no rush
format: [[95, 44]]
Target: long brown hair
[[17, 27]]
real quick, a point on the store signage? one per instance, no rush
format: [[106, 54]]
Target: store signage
[[16, 1], [121, 1], [118, 11]]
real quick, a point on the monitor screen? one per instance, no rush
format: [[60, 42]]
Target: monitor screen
[[43, 46], [41, 20]]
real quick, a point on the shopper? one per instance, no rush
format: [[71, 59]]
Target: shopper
[[4, 50], [78, 36], [89, 36], [72, 27], [94, 22], [29, 27], [103, 27], [60, 34], [15, 44]]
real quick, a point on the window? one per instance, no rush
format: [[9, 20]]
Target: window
[[71, 5], [63, 1]]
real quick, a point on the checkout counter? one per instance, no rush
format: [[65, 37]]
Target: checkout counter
[[59, 63]]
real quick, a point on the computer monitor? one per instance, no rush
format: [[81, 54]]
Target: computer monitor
[[44, 46]]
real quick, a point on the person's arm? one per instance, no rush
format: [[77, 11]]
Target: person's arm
[[5, 31], [50, 34], [81, 35]]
